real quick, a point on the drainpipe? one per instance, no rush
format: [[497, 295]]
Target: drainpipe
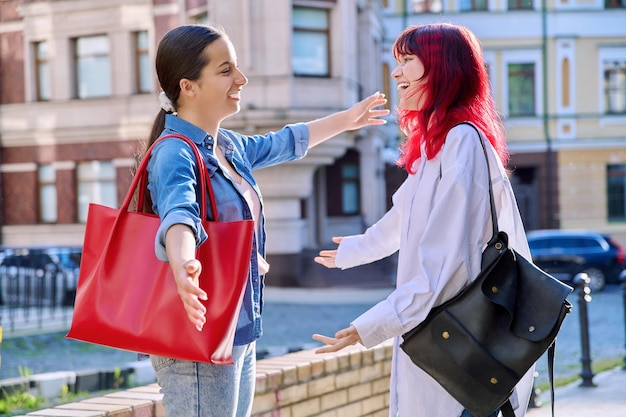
[[405, 15], [546, 126]]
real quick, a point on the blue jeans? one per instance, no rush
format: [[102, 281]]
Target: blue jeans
[[196, 389], [467, 414]]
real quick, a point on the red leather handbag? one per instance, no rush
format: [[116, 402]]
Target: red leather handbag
[[127, 298]]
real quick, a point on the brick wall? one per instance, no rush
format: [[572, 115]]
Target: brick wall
[[353, 382]]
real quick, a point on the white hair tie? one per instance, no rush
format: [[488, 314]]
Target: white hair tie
[[166, 103]]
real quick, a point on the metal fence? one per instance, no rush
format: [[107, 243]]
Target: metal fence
[[31, 298]]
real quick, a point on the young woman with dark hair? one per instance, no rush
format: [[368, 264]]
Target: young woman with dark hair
[[440, 221], [197, 70]]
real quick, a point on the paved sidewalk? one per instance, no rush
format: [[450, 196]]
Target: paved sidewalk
[[606, 399]]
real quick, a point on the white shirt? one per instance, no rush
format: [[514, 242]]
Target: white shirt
[[440, 222]]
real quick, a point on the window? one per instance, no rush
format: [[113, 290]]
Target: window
[[616, 191], [473, 5], [310, 44], [143, 66], [92, 68], [42, 71], [426, 6], [200, 18], [614, 4], [96, 184], [342, 183], [615, 87], [521, 83], [520, 4], [47, 194]]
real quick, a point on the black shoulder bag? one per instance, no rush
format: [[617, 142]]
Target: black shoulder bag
[[479, 344]]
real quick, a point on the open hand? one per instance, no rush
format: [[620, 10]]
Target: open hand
[[327, 257], [364, 113], [187, 283], [343, 338]]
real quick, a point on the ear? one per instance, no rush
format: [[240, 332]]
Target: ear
[[187, 87]]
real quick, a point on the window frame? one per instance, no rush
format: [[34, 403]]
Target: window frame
[[608, 54], [610, 214], [522, 57], [427, 6], [336, 183], [138, 53], [473, 7], [95, 183], [531, 6], [326, 32], [50, 185], [75, 66], [38, 61]]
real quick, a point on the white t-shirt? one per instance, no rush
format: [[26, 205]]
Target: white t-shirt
[[251, 197]]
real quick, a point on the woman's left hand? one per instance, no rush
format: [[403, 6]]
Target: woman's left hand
[[364, 113], [327, 257], [343, 338]]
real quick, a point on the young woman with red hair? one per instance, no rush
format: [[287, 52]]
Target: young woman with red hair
[[440, 220]]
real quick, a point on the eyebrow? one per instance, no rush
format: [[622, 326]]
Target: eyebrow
[[226, 63]]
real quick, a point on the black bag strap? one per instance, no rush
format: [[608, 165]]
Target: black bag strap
[[507, 408]]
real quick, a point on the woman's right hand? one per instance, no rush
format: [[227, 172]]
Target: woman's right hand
[[180, 245], [327, 257], [188, 285]]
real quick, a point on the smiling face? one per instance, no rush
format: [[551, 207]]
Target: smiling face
[[217, 93], [408, 75]]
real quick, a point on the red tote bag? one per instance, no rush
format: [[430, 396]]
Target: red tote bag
[[127, 298]]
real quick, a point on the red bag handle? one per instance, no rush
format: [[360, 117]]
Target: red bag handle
[[205, 182]]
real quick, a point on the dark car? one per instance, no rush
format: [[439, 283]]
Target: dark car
[[56, 258], [565, 253]]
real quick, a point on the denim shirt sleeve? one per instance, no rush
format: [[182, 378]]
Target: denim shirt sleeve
[[288, 144], [172, 181]]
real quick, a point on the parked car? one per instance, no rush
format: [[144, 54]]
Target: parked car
[[565, 253], [58, 258]]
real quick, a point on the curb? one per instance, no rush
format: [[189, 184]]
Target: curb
[[51, 385]]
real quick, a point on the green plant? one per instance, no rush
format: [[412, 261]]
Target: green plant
[[24, 371], [118, 379], [598, 366], [18, 401]]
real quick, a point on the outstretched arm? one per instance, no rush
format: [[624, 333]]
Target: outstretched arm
[[362, 114]]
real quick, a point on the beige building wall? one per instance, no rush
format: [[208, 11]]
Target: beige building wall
[[262, 34], [570, 122]]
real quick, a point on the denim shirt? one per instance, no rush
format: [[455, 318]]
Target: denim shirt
[[173, 188]]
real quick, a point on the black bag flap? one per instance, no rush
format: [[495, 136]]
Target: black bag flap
[[542, 297], [532, 298]]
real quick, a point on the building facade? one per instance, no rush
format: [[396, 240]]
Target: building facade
[[78, 95], [558, 73]]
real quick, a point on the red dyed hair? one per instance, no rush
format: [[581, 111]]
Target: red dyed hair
[[456, 90]]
